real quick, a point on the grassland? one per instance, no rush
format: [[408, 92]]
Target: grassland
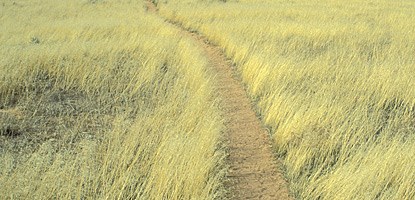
[[101, 100], [332, 79]]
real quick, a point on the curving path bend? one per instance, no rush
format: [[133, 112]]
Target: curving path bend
[[254, 171]]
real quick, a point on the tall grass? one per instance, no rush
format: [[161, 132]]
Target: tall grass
[[334, 82], [101, 100]]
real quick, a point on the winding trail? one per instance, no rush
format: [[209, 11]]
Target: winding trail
[[254, 171]]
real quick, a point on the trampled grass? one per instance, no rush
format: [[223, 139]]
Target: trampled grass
[[100, 100], [334, 82]]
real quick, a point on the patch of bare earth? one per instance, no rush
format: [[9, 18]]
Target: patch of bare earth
[[254, 171]]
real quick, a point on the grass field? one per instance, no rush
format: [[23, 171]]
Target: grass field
[[101, 100], [334, 82]]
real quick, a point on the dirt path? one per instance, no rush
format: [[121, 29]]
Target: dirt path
[[254, 171]]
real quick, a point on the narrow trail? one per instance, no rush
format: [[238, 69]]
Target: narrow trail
[[254, 171]]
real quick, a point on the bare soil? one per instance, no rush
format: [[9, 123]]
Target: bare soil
[[254, 172]]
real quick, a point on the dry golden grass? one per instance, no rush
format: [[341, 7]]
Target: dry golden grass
[[334, 82], [101, 100]]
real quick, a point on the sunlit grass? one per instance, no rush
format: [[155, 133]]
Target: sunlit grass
[[101, 100], [334, 82]]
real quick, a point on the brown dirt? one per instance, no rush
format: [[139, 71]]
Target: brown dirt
[[254, 171]]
